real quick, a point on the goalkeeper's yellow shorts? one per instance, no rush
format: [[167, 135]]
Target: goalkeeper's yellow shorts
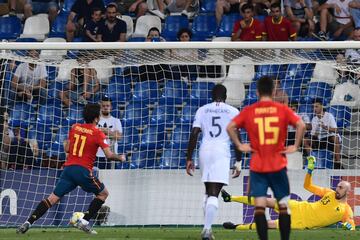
[[297, 221]]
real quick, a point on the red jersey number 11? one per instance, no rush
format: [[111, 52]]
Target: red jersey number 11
[[264, 126], [76, 151]]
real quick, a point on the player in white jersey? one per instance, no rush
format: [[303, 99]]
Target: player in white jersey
[[212, 120], [112, 128]]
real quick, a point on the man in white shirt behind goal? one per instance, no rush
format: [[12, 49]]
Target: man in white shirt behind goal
[[212, 120]]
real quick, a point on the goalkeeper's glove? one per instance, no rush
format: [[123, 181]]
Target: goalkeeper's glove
[[311, 164], [347, 226]]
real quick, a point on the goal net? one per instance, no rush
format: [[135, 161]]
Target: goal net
[[155, 90]]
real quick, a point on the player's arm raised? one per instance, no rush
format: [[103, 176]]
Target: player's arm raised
[[319, 191], [191, 146], [113, 156]]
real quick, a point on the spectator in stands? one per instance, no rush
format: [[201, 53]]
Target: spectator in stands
[[22, 151], [127, 7], [154, 35], [82, 10], [185, 72], [355, 12], [300, 14], [29, 80], [91, 28], [291, 130], [112, 29], [279, 95], [353, 55], [111, 127], [277, 27], [323, 133], [338, 24], [185, 7], [83, 85], [226, 6], [41, 6], [248, 28]]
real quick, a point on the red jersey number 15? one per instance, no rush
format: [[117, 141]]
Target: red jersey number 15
[[264, 126], [78, 150]]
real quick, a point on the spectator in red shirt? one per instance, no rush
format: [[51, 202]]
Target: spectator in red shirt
[[277, 27], [247, 29]]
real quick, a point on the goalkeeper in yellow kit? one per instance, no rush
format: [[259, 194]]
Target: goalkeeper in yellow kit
[[330, 209]]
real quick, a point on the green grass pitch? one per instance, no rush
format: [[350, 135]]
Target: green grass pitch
[[188, 233]]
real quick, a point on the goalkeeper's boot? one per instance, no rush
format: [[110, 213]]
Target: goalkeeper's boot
[[225, 195], [207, 235], [23, 228], [85, 227], [311, 163], [229, 225]]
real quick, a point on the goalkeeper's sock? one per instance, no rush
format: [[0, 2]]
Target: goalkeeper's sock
[[246, 226], [210, 211], [243, 199], [261, 223], [39, 211], [94, 207], [284, 224]]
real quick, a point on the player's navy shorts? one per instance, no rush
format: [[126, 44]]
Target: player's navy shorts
[[73, 176], [277, 181]]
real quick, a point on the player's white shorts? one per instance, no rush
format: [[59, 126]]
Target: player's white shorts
[[215, 162]]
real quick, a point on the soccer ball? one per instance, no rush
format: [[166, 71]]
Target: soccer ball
[[75, 217]]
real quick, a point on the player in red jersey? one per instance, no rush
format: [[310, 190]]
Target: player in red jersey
[[266, 123], [248, 29], [277, 27], [82, 145]]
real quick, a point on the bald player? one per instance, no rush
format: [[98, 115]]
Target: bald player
[[330, 209]]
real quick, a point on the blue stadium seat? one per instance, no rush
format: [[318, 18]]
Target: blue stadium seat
[[67, 5], [136, 39], [172, 25], [342, 115], [163, 114], [10, 27], [22, 113], [129, 140], [136, 114], [75, 115], [200, 93], [51, 115], [23, 52], [43, 135], [173, 159], [274, 70], [299, 72], [153, 137], [174, 92], [180, 137], [204, 27], [57, 147], [317, 90], [207, 6], [293, 90], [146, 92], [226, 26], [251, 96], [261, 18], [187, 114], [119, 93], [58, 27], [307, 109], [143, 158]]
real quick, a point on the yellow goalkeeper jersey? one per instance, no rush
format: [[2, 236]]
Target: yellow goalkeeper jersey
[[328, 210]]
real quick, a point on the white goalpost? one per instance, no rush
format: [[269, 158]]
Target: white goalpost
[[155, 89]]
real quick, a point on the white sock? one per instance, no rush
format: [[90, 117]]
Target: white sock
[[210, 212], [204, 203]]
